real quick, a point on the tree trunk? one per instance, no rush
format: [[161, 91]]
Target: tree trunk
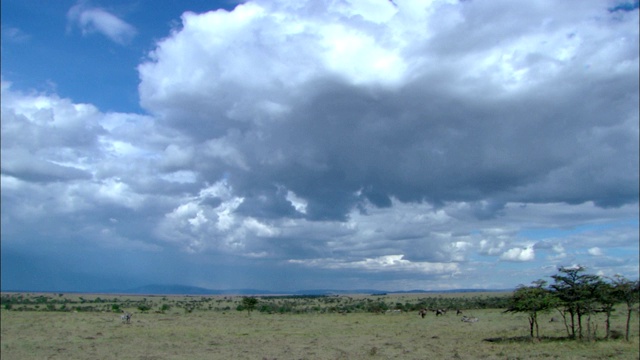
[[626, 334], [579, 314], [589, 326], [531, 326], [573, 325], [535, 320], [607, 324], [564, 320]]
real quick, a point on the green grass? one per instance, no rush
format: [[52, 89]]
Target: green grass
[[204, 334]]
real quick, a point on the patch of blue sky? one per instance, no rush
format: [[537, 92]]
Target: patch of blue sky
[[622, 252], [46, 50]]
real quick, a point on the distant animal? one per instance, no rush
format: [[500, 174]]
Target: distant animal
[[469, 319], [126, 318], [459, 312], [422, 312], [440, 312], [553, 319]]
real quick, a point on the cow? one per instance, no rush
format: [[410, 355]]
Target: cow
[[440, 312], [422, 312]]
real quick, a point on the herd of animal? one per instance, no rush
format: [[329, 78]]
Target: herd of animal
[[441, 312], [126, 317]]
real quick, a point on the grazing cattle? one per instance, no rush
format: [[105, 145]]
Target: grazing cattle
[[459, 312], [422, 312], [469, 319], [126, 318], [441, 312]]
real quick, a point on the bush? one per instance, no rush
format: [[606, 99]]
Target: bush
[[616, 335]]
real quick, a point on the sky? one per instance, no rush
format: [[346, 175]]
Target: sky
[[335, 144]]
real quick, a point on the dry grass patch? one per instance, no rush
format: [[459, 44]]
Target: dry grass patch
[[202, 334]]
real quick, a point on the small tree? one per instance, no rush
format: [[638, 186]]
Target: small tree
[[575, 292], [531, 300], [249, 304], [595, 297], [627, 291], [607, 298]]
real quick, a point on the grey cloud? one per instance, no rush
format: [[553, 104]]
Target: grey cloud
[[25, 166], [55, 124], [343, 142]]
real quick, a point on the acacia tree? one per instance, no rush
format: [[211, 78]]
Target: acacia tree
[[627, 291], [531, 300], [249, 304], [607, 298], [595, 297], [575, 293]]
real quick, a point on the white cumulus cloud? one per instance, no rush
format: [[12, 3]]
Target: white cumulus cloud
[[519, 254], [595, 251]]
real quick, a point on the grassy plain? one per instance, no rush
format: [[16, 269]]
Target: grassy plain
[[213, 332]]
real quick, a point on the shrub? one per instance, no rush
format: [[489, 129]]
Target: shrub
[[616, 335]]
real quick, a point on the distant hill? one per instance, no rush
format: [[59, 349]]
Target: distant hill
[[176, 289], [158, 289], [452, 291]]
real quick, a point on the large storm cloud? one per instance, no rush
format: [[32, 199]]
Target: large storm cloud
[[398, 139], [343, 105]]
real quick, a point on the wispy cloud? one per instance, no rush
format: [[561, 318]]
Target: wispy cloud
[[381, 263], [93, 19], [13, 34]]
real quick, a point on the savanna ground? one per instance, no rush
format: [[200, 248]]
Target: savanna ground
[[212, 328]]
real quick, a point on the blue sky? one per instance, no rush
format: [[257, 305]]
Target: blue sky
[[49, 50], [287, 145]]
